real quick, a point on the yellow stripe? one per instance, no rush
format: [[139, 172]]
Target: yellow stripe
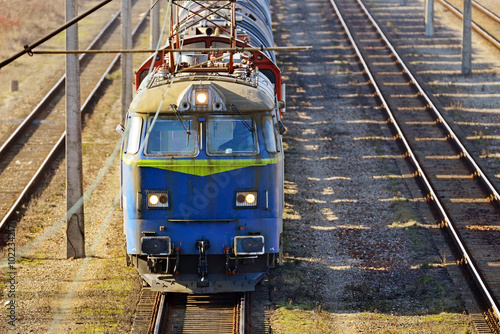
[[201, 167]]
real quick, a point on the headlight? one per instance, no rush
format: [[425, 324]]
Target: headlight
[[157, 199], [201, 97], [246, 199]]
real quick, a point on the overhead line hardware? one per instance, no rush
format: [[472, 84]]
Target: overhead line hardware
[[200, 65], [28, 49], [215, 12], [216, 50]]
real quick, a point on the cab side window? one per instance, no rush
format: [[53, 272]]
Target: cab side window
[[133, 135], [269, 132]]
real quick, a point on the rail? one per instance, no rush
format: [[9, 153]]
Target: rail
[[217, 313], [414, 160], [475, 26], [60, 143]]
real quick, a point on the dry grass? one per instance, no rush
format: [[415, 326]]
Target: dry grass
[[317, 321], [27, 21], [106, 295]]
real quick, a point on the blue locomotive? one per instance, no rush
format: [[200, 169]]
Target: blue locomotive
[[202, 158]]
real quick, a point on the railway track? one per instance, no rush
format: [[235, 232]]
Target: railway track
[[484, 21], [463, 198], [232, 313], [27, 153], [183, 313]]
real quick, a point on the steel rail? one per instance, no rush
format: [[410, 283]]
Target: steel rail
[[400, 135], [159, 316], [60, 143], [27, 190], [53, 92], [213, 313], [478, 171], [442, 120], [475, 26], [242, 309], [486, 11]]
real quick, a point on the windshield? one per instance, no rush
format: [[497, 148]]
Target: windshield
[[231, 135], [168, 137]]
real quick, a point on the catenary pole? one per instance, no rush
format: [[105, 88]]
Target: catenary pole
[[467, 38], [75, 233], [126, 59], [155, 23], [429, 17]]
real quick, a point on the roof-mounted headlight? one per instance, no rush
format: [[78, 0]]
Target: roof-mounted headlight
[[201, 97]]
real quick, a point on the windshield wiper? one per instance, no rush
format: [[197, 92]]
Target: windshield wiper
[[188, 130], [246, 123]]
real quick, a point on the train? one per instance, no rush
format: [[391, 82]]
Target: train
[[202, 163]]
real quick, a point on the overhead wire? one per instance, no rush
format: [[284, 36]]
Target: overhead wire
[[23, 251], [28, 49], [59, 224], [30, 247]]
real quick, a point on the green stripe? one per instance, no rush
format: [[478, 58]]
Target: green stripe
[[201, 167]]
